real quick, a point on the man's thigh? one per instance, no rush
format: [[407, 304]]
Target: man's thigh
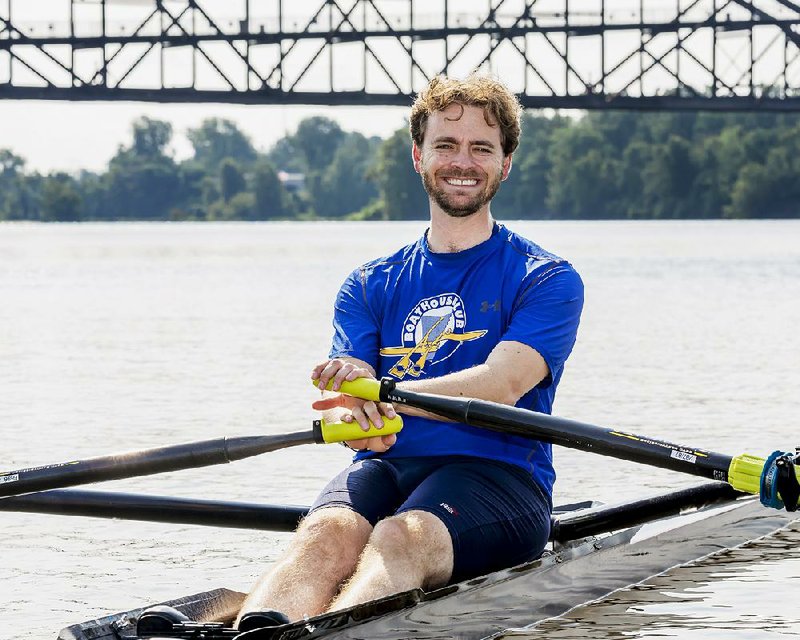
[[368, 487], [496, 514]]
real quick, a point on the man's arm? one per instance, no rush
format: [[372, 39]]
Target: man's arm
[[511, 370]]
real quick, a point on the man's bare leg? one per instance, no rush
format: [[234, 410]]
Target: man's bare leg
[[323, 553], [413, 549]]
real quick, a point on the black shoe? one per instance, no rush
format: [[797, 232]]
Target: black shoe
[[158, 619], [261, 619]]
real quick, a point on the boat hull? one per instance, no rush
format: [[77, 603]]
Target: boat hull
[[572, 574]]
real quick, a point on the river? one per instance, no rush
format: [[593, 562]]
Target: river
[[118, 337]]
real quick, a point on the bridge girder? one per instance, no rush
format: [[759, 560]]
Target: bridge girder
[[586, 54]]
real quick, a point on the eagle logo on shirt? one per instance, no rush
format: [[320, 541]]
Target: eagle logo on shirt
[[431, 332]]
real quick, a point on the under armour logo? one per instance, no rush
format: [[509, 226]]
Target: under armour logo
[[494, 306]]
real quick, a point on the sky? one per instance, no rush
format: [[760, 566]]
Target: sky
[[70, 136]]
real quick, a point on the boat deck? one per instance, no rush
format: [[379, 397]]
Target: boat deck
[[566, 576]]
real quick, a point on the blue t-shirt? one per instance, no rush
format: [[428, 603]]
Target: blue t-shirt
[[418, 314]]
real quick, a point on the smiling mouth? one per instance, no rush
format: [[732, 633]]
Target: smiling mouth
[[461, 182]]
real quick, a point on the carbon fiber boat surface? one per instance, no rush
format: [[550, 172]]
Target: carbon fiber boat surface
[[567, 575]]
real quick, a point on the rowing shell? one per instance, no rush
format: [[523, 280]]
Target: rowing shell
[[568, 574]]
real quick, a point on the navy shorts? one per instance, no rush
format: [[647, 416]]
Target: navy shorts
[[496, 513]]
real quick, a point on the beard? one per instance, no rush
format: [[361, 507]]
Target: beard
[[448, 203]]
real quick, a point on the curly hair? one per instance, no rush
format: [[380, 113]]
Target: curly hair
[[499, 105]]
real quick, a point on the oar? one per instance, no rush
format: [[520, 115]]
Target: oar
[[744, 472], [176, 457], [568, 522], [582, 523], [132, 506]]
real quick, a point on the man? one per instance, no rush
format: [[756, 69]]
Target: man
[[471, 309]]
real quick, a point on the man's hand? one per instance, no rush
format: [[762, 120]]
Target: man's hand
[[362, 411]]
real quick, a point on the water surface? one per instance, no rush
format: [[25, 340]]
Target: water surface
[[126, 336]]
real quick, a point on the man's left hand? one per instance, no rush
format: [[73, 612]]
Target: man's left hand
[[362, 411]]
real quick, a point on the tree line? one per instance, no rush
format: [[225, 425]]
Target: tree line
[[604, 165]]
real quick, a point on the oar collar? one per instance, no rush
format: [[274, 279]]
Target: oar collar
[[779, 483]]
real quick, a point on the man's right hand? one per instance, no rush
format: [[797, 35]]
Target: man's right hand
[[362, 411]]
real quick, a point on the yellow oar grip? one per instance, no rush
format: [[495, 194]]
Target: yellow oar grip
[[364, 388], [341, 431], [744, 473]]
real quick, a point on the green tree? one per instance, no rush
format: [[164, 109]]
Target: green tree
[[286, 157], [20, 194], [524, 194], [209, 189], [343, 187], [151, 137], [771, 189], [92, 189], [142, 191], [216, 139], [242, 206], [708, 194], [668, 180], [28, 199], [61, 201], [271, 198], [618, 128], [231, 179], [317, 140], [197, 191], [399, 186], [584, 174], [11, 167], [143, 181], [658, 127], [604, 165]]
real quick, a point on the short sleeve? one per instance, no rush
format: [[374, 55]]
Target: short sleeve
[[355, 329], [547, 312]]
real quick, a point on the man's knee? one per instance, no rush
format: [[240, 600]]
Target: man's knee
[[421, 539], [413, 525], [337, 531]]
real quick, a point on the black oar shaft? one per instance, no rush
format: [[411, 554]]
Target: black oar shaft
[[285, 518], [140, 463], [564, 432], [590, 522], [129, 506]]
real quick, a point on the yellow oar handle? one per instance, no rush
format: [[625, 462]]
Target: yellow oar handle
[[341, 431], [364, 388]]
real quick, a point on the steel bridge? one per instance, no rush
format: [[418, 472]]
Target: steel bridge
[[584, 54]]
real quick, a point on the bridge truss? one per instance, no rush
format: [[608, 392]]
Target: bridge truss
[[585, 54]]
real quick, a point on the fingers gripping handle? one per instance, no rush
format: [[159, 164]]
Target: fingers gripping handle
[[341, 431], [364, 388]]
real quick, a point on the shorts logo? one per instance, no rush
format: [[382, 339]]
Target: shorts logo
[[431, 333], [448, 508]]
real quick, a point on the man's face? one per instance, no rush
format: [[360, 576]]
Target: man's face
[[461, 160]]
